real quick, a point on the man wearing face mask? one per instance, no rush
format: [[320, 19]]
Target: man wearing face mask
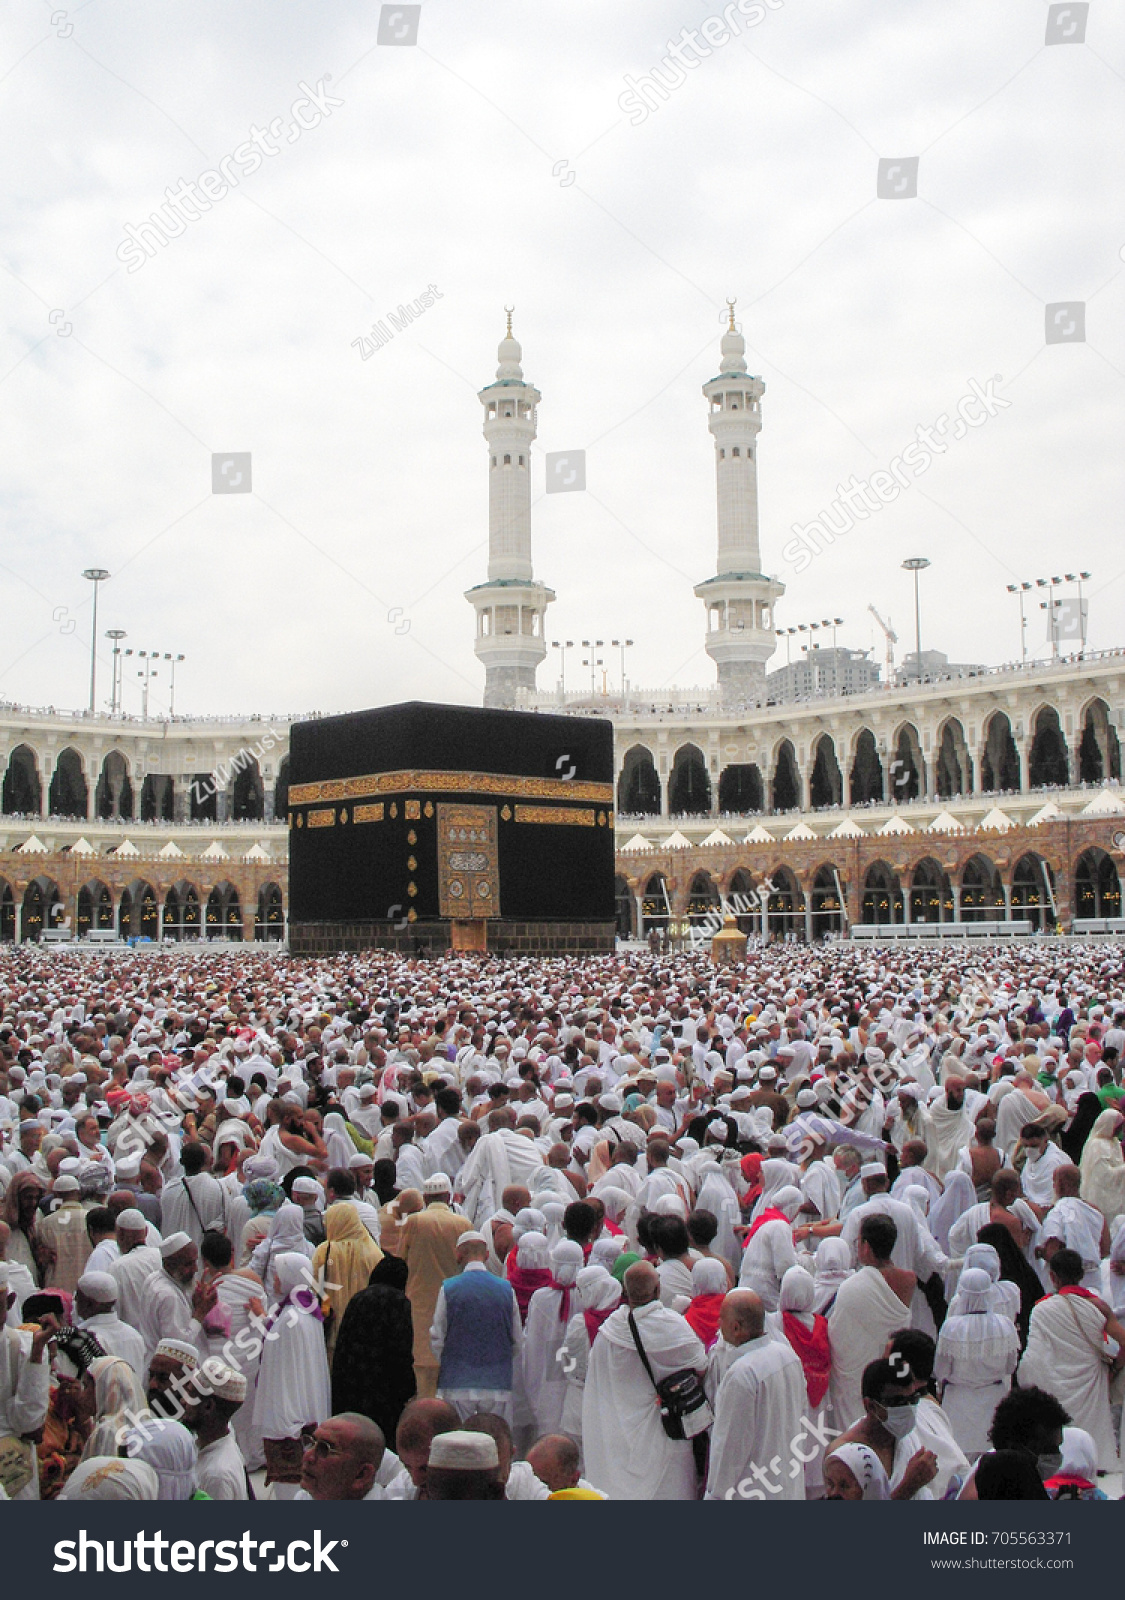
[[175, 1307], [890, 1404]]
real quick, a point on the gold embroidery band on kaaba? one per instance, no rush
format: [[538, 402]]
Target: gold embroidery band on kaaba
[[575, 816], [368, 813], [322, 819], [423, 782]]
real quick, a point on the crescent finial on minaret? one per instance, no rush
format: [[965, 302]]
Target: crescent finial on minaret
[[508, 310]]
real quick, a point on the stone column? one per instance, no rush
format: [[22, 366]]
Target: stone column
[[808, 916], [956, 887], [640, 904], [1007, 900]]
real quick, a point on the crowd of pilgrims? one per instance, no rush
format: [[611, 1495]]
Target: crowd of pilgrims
[[827, 1224]]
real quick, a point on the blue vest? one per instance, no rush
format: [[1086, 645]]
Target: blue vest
[[477, 1353]]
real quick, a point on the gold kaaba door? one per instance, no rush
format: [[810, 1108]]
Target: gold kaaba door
[[468, 867]]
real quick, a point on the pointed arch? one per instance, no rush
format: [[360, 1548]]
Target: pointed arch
[[741, 791], [638, 787], [1033, 892], [223, 917], [907, 777], [1049, 762], [882, 894], [689, 785], [826, 785], [931, 893], [982, 893], [42, 908], [23, 787], [113, 794], [953, 765], [1000, 760], [270, 920], [95, 907], [69, 794], [785, 785], [867, 770], [1099, 752], [1097, 886]]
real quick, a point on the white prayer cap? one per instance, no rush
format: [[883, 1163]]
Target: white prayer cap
[[368, 1092], [767, 1073], [174, 1243], [806, 1098], [464, 1452], [717, 1129], [471, 1237], [360, 1160], [132, 1221], [439, 1183], [100, 1286], [129, 1167], [872, 1169], [305, 1186], [225, 1382], [178, 1350], [610, 1103], [873, 1055], [66, 1183]]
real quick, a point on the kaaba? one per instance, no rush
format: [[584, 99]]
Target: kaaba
[[425, 828]]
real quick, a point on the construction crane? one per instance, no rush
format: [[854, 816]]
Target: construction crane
[[892, 640]]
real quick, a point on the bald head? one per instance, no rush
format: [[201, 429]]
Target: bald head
[[742, 1318], [554, 1461], [515, 1198], [642, 1284]]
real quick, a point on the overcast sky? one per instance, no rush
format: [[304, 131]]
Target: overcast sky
[[494, 161]]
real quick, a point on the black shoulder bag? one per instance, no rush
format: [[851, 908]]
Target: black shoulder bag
[[684, 1407]]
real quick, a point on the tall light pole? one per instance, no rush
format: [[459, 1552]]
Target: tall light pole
[[917, 564], [172, 694], [834, 623], [622, 645], [594, 661], [116, 634], [1079, 578], [1021, 589], [95, 575], [562, 646]]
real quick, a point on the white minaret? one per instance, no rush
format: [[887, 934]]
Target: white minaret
[[511, 606], [740, 598]]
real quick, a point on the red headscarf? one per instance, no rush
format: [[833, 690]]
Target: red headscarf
[[702, 1317], [525, 1281], [811, 1344]]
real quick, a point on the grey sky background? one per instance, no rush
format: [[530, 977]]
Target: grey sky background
[[493, 160]]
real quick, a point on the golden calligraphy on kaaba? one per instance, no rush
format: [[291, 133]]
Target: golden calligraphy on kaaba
[[468, 862], [322, 819], [423, 782], [573, 816], [368, 813]]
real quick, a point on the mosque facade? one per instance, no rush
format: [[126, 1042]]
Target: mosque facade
[[986, 800]]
